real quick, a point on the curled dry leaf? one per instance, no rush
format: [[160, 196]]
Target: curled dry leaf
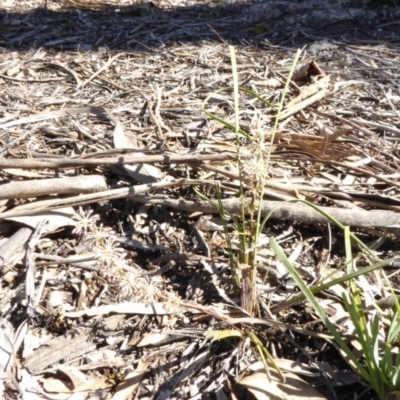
[[131, 382], [71, 382], [286, 365], [150, 339], [264, 388], [143, 173], [56, 219]]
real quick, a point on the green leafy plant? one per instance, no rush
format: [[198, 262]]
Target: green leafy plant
[[378, 336]]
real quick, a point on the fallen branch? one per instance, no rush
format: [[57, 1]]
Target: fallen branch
[[51, 163], [283, 210], [127, 192], [289, 211]]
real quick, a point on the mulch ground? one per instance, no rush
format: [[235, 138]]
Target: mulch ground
[[113, 269]]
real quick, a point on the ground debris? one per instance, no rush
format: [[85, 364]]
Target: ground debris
[[112, 287]]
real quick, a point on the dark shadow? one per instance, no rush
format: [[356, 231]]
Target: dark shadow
[[147, 27]]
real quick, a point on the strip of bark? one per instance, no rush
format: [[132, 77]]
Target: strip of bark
[[43, 187]]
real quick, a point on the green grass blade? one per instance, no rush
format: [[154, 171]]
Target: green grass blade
[[223, 121], [327, 216], [318, 309], [394, 329], [395, 378], [283, 97], [338, 281], [265, 353], [242, 230]]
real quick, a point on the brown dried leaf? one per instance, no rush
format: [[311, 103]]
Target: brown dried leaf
[[263, 388], [131, 382]]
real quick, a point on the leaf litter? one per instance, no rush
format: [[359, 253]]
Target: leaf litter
[[115, 279]]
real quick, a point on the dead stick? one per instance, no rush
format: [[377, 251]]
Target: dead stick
[[103, 68], [128, 192], [288, 211], [42, 163], [386, 220]]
